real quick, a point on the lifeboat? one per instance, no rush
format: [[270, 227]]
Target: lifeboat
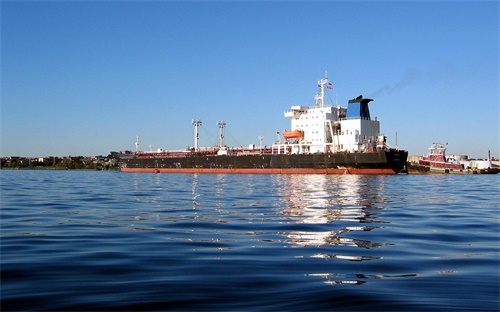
[[295, 134]]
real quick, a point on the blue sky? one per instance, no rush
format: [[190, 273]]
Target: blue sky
[[84, 78]]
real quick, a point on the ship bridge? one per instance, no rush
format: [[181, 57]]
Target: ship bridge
[[323, 129]]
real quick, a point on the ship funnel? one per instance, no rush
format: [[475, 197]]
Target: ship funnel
[[358, 108]]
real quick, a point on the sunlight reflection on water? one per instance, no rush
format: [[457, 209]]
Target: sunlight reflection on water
[[108, 240]]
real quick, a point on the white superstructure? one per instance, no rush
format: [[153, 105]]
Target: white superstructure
[[324, 129]]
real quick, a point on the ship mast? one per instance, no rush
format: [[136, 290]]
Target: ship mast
[[196, 124], [320, 96], [137, 142], [221, 125]]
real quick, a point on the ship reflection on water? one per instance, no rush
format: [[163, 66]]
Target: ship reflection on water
[[324, 198], [347, 206], [320, 199], [335, 227]]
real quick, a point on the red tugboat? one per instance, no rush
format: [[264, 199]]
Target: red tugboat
[[436, 160]]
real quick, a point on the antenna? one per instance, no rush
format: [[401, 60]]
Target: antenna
[[196, 123], [260, 139]]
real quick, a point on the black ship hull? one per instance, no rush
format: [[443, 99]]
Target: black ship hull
[[378, 162]]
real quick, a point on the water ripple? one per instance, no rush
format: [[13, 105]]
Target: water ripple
[[75, 240]]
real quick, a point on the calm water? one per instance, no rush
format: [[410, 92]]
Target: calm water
[[85, 240]]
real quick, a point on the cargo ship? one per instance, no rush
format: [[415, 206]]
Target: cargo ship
[[323, 139]]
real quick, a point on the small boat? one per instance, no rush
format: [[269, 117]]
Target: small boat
[[436, 160], [295, 134]]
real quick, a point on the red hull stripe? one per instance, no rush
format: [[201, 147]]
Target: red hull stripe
[[261, 170]]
